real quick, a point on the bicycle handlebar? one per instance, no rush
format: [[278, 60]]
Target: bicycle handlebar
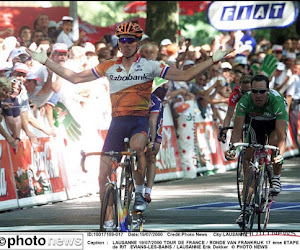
[[258, 146], [225, 128], [109, 153]]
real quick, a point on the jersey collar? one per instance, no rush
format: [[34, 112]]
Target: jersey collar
[[119, 61]]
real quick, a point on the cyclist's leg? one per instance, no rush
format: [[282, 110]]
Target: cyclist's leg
[[138, 142], [276, 185], [151, 170], [114, 142]]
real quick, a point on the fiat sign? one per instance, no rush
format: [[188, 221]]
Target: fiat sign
[[243, 15]]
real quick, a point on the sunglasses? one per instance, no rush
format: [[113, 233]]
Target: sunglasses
[[130, 40], [261, 91]]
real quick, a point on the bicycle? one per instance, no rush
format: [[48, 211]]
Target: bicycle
[[118, 194], [239, 168], [257, 199]]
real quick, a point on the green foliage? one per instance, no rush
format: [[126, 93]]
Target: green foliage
[[101, 13], [197, 28]]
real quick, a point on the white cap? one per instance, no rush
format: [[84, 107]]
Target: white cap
[[226, 65], [165, 42], [114, 41], [67, 18], [277, 47], [32, 76], [21, 67], [18, 51], [188, 62], [240, 59], [60, 47], [4, 67], [145, 37], [52, 24], [290, 55], [89, 47], [280, 66], [244, 48]]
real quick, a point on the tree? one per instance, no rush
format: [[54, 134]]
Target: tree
[[162, 20], [279, 36]]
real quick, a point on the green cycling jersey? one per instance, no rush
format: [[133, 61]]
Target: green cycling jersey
[[274, 108]]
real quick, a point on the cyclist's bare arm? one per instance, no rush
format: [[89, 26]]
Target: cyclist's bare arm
[[174, 74], [84, 76], [280, 129], [228, 117], [237, 129]]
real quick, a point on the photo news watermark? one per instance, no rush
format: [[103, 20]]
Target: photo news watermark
[[45, 241]]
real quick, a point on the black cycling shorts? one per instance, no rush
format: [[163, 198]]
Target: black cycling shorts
[[259, 129]]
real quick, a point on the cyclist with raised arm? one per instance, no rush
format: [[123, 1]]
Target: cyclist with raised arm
[[236, 94], [130, 78], [267, 111]]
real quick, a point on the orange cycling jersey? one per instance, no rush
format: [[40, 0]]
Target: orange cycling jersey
[[130, 92]]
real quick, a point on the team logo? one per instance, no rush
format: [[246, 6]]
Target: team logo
[[119, 69]]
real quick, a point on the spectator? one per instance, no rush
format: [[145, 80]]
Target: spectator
[[148, 51], [66, 35], [3, 71], [162, 50], [5, 92], [274, 84], [12, 112], [293, 100], [145, 39], [20, 71], [202, 93], [24, 36], [52, 31], [36, 35], [42, 23], [105, 53], [99, 45], [289, 62], [7, 32], [277, 51]]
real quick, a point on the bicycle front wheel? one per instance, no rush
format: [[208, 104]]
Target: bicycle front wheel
[[240, 177], [266, 201], [249, 202], [126, 190], [109, 209]]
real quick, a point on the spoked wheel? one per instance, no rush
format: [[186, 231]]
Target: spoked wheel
[[266, 202], [249, 212], [109, 209], [126, 191], [240, 177]]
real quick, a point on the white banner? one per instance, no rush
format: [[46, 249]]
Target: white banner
[[243, 15], [152, 240]]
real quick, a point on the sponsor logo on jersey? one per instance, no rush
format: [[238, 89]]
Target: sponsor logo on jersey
[[128, 78]]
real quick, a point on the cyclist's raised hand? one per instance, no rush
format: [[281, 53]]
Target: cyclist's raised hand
[[40, 57], [220, 54]]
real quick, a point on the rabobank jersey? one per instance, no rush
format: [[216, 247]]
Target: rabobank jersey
[[275, 107], [130, 91]]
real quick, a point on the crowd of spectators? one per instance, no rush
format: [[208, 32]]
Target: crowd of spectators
[[36, 88]]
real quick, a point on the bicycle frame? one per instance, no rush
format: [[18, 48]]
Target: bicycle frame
[[115, 183], [259, 200]]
